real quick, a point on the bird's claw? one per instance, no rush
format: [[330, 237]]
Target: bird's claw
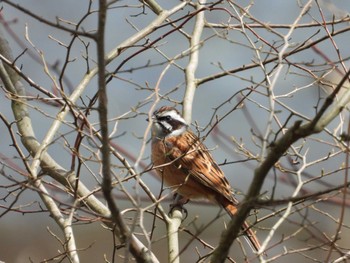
[[178, 203]]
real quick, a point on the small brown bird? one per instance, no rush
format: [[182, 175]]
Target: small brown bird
[[185, 164]]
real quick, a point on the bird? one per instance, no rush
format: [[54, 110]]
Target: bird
[[186, 166]]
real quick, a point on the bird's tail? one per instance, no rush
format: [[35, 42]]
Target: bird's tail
[[248, 232]]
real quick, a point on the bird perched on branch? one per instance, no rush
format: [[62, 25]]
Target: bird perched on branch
[[185, 164]]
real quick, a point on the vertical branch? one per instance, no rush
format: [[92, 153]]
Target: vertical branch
[[133, 245], [191, 81], [121, 229], [102, 108], [276, 75], [173, 226], [286, 212]]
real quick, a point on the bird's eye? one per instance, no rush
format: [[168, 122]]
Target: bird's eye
[[165, 118]]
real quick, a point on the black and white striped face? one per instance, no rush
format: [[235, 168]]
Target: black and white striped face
[[167, 122]]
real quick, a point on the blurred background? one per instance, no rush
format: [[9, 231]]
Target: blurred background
[[30, 235]]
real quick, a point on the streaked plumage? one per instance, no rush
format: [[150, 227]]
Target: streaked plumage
[[185, 164]]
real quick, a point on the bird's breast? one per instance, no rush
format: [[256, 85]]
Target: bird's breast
[[174, 175]]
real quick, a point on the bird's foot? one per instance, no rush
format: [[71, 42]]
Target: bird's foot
[[178, 204]]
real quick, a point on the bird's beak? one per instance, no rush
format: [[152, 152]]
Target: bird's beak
[[153, 118]]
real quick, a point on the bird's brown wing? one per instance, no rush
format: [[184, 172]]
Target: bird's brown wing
[[191, 155]]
